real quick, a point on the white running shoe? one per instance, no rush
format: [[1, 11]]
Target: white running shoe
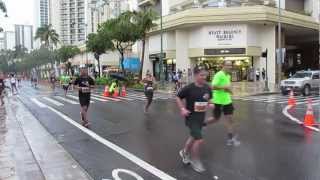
[[233, 142], [185, 157], [197, 166]]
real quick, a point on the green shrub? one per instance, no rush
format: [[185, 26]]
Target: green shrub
[[103, 81], [137, 86]]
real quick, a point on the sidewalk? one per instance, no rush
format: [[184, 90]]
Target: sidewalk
[[24, 145]]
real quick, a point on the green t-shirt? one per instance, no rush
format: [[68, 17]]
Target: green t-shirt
[[220, 96], [65, 80]]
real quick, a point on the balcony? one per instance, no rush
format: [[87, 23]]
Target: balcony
[[146, 2]]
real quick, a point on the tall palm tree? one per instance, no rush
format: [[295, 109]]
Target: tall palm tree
[[145, 21], [3, 7], [47, 35]]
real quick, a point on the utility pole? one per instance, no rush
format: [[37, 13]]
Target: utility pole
[[161, 74], [279, 61]]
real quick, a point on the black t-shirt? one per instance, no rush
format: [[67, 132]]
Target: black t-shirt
[[52, 79], [2, 85], [197, 98], [84, 82]]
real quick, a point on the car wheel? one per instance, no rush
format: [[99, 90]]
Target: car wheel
[[306, 90]]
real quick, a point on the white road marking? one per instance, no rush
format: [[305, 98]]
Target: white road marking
[[66, 100], [99, 99], [76, 98], [294, 119], [53, 101], [148, 167], [305, 102], [40, 104], [108, 98]]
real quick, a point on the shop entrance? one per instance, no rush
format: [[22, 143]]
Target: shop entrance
[[242, 67], [169, 67]]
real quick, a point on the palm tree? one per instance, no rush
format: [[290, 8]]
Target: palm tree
[[47, 35], [3, 7], [145, 21]]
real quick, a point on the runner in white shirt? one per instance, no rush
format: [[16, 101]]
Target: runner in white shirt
[[13, 82]]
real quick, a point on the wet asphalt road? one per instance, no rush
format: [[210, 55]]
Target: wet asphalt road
[[273, 147]]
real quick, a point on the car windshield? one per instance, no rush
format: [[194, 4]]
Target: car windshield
[[301, 75]]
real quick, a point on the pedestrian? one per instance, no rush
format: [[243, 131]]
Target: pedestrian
[[196, 96], [258, 74], [2, 88], [53, 80], [19, 80], [221, 85], [148, 82], [263, 74], [84, 83], [65, 83], [13, 82]]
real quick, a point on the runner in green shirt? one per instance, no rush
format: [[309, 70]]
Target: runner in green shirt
[[221, 85], [65, 82]]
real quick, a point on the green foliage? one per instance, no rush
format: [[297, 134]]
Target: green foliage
[[67, 52], [104, 81], [136, 86], [3, 7], [47, 35], [99, 44]]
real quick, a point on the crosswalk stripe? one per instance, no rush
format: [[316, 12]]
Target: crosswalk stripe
[[108, 98], [313, 101], [304, 100], [66, 100], [76, 98], [125, 98], [99, 99], [52, 101], [40, 104], [136, 96]]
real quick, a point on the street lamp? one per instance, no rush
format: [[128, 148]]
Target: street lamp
[[279, 44], [161, 73]]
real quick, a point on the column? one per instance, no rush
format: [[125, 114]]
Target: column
[[182, 48]]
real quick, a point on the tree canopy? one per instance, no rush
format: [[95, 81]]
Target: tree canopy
[[67, 52], [47, 35]]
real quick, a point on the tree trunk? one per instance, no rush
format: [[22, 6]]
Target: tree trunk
[[99, 68], [121, 62], [142, 57]]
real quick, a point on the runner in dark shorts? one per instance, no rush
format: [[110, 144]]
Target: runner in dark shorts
[[84, 83], [148, 91], [197, 96], [2, 88]]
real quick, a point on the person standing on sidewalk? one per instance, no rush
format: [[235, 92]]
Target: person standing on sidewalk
[[84, 83], [197, 96], [13, 82], [148, 82], [221, 85], [65, 83], [53, 81]]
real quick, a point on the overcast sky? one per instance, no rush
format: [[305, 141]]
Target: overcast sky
[[19, 12]]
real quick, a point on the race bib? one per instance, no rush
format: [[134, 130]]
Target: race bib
[[85, 90], [200, 106], [150, 88]]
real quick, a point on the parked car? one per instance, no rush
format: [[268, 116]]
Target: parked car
[[303, 82]]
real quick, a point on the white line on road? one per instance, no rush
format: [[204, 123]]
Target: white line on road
[[66, 100], [108, 98], [76, 98], [148, 167], [40, 104], [287, 114], [99, 99], [53, 101]]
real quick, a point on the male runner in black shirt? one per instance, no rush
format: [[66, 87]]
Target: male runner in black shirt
[[197, 96], [84, 83]]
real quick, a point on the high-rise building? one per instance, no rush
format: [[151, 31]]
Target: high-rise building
[[24, 36], [9, 38], [1, 43], [72, 21]]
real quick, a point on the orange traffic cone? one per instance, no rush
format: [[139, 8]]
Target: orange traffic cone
[[106, 91], [123, 91], [291, 100], [116, 92], [309, 118]]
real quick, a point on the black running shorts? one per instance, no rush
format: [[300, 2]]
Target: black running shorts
[[225, 109], [84, 100], [195, 123]]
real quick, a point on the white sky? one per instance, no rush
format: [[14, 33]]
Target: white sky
[[19, 12]]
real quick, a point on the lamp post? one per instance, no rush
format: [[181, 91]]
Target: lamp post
[[266, 83], [279, 45], [161, 73]]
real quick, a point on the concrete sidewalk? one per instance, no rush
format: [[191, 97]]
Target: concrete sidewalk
[[28, 151]]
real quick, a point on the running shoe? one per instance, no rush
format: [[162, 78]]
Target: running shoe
[[197, 166], [233, 142], [185, 157]]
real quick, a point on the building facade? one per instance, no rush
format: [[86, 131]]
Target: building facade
[[24, 36], [199, 32], [9, 39]]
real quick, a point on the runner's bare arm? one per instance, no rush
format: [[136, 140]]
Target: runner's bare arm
[[184, 112]]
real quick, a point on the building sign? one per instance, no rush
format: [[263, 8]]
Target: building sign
[[227, 35], [156, 56], [226, 51]]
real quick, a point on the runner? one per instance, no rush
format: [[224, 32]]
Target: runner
[[197, 97], [65, 83], [84, 83], [223, 101], [148, 90], [2, 88], [53, 81], [19, 80], [13, 82]]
